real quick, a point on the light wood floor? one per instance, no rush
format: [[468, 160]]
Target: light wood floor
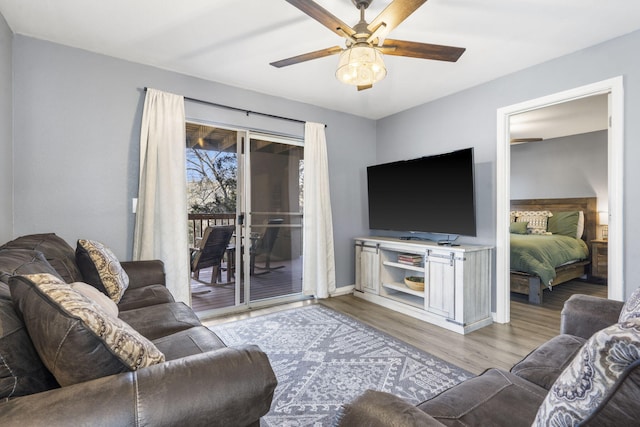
[[497, 345]]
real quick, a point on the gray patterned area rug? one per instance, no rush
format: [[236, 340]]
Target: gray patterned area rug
[[323, 359]]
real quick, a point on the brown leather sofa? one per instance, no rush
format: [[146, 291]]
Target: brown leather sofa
[[200, 382], [588, 375]]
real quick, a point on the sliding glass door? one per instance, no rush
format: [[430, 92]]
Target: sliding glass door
[[276, 182], [252, 185]]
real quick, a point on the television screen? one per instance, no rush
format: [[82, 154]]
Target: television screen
[[433, 194]]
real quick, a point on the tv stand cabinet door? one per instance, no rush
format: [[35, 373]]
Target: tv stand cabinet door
[[367, 268], [441, 284]]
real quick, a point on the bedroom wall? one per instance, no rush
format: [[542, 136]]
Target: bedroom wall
[[468, 118], [6, 133], [572, 166], [77, 126]]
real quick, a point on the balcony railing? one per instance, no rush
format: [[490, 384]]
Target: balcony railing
[[199, 222]]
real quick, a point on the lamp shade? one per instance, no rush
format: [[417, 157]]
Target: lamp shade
[[603, 218], [361, 65]]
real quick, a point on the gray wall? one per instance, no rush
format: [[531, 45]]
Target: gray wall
[[468, 118], [76, 138], [573, 166], [6, 130], [77, 118]]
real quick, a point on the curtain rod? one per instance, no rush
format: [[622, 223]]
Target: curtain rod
[[247, 112]]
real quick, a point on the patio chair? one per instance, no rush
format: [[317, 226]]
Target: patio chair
[[210, 252], [264, 246]]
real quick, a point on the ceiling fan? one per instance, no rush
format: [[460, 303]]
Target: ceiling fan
[[361, 61]]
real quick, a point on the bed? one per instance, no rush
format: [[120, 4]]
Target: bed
[[541, 258]]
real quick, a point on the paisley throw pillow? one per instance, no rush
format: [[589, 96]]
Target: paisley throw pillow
[[75, 337], [631, 308], [101, 268], [592, 376]]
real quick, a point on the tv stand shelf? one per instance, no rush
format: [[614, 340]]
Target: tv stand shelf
[[404, 266], [457, 292], [401, 287]]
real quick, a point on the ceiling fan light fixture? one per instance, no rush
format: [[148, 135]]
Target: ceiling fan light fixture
[[361, 65]]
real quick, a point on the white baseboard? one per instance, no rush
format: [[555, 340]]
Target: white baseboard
[[343, 290]]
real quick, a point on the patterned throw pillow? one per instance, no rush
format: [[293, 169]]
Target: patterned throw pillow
[[537, 220], [592, 376], [101, 268], [631, 308], [76, 339]]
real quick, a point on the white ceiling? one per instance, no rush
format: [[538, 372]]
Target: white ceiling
[[233, 41], [583, 115]]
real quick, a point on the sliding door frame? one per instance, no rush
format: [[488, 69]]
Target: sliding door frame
[[248, 211]]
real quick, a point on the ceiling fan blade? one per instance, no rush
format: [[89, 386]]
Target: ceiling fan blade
[[307, 56], [421, 50], [324, 17], [393, 15], [364, 87]]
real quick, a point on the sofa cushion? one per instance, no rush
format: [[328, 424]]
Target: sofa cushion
[[496, 395], [56, 251], [101, 268], [584, 315], [145, 296], [75, 338], [23, 261], [188, 342], [161, 320], [631, 307], [544, 364], [381, 409], [21, 370], [5, 294], [144, 272], [594, 376]]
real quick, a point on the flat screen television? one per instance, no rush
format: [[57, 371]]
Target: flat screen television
[[433, 194]]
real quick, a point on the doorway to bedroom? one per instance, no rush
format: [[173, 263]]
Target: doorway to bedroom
[[539, 167], [559, 165]]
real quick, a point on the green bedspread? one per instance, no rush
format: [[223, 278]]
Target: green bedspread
[[541, 254]]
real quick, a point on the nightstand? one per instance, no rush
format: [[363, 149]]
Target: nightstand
[[599, 259]]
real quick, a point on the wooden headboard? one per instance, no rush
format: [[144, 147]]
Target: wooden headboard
[[588, 205]]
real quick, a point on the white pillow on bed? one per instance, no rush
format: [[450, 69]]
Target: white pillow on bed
[[580, 230]]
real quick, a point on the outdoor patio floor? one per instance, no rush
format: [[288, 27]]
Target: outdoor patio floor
[[264, 285]]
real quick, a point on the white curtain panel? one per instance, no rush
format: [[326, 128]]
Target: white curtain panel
[[319, 278], [161, 219]]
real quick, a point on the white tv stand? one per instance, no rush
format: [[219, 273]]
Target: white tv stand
[[457, 291]]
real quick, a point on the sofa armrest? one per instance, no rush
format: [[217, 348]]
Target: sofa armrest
[[143, 273], [584, 315], [230, 386], [378, 409]]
